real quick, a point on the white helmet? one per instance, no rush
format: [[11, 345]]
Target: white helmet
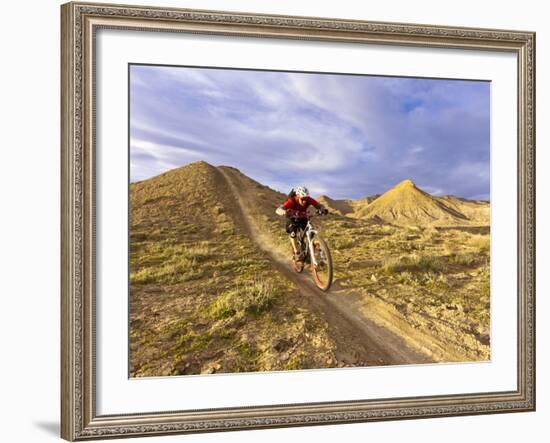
[[301, 191]]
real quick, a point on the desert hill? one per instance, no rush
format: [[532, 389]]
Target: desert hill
[[348, 207], [201, 189], [194, 192], [365, 200], [406, 204], [340, 207]]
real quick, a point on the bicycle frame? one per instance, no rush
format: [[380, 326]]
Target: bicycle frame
[[315, 252], [309, 232]]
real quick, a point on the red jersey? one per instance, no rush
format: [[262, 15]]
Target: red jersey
[[296, 208]]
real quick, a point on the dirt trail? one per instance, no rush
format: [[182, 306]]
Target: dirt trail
[[359, 340]]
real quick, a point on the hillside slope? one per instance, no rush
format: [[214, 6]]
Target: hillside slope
[[340, 207], [477, 211], [203, 297], [409, 278]]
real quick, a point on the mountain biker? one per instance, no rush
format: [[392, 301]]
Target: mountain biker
[[296, 210]]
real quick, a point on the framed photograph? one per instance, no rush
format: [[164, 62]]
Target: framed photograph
[[277, 221]]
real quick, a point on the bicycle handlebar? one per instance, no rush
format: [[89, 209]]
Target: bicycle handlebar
[[294, 214]]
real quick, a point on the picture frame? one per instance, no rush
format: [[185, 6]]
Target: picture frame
[[79, 388]]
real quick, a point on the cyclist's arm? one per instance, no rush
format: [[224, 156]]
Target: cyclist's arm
[[313, 202], [285, 207], [320, 208]]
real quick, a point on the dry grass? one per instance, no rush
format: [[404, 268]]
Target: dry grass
[[438, 280], [481, 242], [255, 296], [412, 263]]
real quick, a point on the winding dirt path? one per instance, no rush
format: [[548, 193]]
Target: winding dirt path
[[359, 340]]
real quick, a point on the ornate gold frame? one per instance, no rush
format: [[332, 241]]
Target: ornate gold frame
[[79, 420]]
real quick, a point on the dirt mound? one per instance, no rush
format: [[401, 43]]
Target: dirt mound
[[406, 204], [199, 188]]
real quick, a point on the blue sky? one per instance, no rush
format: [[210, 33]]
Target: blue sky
[[346, 136]]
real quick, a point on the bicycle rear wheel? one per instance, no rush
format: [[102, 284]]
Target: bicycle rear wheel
[[322, 271]]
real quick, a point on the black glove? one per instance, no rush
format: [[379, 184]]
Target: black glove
[[322, 211]]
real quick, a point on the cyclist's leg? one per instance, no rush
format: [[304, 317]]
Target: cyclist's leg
[[294, 246], [291, 228], [301, 225]]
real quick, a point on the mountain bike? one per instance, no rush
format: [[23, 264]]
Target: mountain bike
[[313, 249]]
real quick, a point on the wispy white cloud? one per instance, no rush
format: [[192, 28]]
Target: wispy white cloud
[[346, 136]]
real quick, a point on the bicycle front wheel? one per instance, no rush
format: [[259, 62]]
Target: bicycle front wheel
[[298, 265], [322, 271]]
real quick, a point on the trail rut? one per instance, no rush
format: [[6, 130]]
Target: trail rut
[[359, 340]]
